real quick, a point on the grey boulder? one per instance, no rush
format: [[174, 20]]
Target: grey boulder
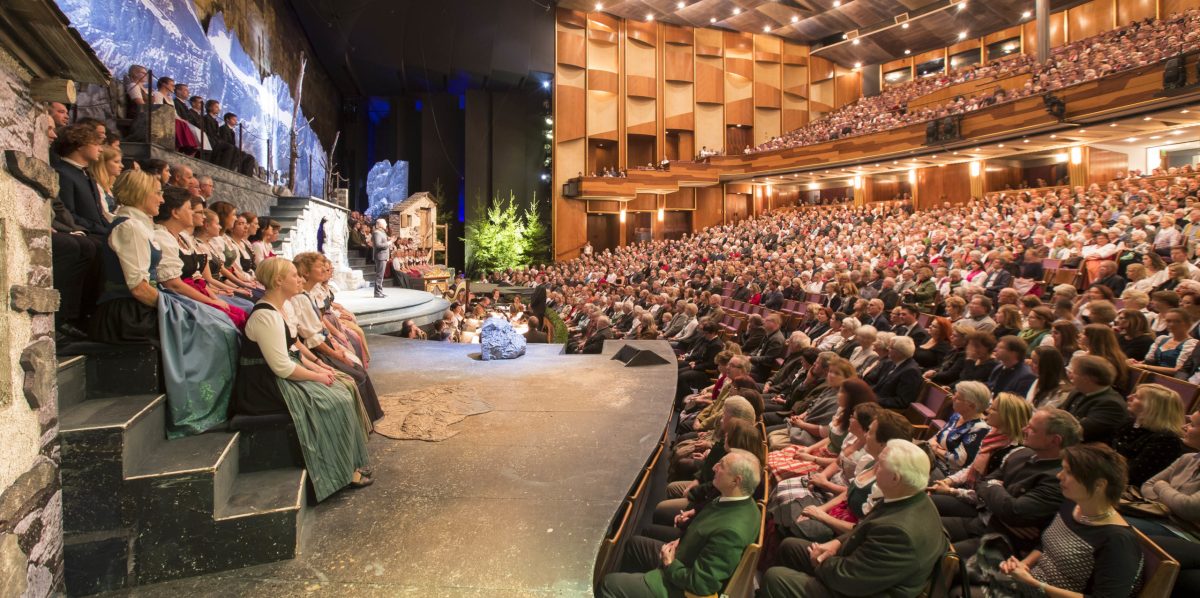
[[498, 340]]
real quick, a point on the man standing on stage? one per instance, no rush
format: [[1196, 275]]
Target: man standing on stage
[[381, 244]]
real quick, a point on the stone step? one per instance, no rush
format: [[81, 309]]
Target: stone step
[[118, 370], [292, 202], [264, 492], [359, 263], [278, 212], [72, 381]]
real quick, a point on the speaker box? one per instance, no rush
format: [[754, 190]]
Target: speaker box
[[633, 357], [1174, 74]]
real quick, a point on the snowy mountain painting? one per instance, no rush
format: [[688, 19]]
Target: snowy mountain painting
[[166, 36]]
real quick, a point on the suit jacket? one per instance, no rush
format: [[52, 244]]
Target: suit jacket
[[741, 294], [1016, 380], [226, 134], [765, 357], [915, 332], [880, 322], [595, 342], [773, 300], [212, 128], [891, 552], [997, 280], [784, 380], [709, 551], [1029, 495], [705, 351], [1101, 413], [182, 109], [81, 197], [890, 298], [381, 245], [898, 388], [1114, 282], [678, 321]]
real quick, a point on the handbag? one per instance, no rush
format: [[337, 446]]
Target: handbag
[[1135, 505]]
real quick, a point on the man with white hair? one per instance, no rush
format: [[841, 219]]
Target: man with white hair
[[381, 244], [890, 552], [704, 559], [899, 387]]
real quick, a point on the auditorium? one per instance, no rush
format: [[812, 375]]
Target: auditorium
[[928, 272]]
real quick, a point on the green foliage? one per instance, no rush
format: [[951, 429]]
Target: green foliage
[[558, 329], [444, 210], [537, 235], [496, 240]]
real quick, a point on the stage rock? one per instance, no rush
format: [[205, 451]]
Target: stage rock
[[498, 340]]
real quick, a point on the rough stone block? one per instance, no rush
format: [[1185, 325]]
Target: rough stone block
[[36, 300], [498, 340], [33, 172], [12, 566], [21, 497], [37, 360]]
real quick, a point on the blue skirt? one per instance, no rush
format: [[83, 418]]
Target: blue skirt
[[199, 356]]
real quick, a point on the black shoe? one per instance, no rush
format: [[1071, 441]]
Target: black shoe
[[380, 296], [70, 330]]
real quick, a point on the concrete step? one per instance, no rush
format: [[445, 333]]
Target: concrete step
[[118, 370], [72, 381]]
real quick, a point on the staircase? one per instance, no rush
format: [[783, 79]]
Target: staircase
[[138, 508], [368, 270]]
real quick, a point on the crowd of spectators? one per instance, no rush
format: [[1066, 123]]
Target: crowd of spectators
[[145, 252], [1134, 45], [1055, 406]]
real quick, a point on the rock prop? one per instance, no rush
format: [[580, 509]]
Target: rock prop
[[499, 340]]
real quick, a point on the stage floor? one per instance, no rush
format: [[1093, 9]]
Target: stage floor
[[386, 314], [515, 505]]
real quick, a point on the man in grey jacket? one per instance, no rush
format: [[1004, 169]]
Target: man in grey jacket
[[381, 245]]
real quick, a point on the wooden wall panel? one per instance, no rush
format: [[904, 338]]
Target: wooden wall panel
[[795, 81], [820, 97], [678, 106], [1057, 33], [572, 48], [570, 216], [643, 32], [710, 126], [570, 19], [1168, 7], [598, 80], [930, 55], [1003, 34], [939, 184], [641, 87], [1104, 165], [709, 207], [684, 199], [674, 35], [640, 116], [766, 124], [847, 89], [677, 64], [794, 54], [819, 68], [710, 80], [899, 63], [1090, 19], [601, 115], [1129, 11]]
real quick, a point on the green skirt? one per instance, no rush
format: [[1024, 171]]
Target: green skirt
[[330, 430]]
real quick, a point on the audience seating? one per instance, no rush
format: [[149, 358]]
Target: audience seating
[[1187, 391], [741, 585], [1160, 570], [609, 555]]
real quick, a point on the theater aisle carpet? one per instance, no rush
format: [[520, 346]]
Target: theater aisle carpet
[[515, 504]]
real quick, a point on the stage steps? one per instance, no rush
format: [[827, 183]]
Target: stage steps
[[138, 508]]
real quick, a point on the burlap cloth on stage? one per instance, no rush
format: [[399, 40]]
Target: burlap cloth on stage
[[427, 413]]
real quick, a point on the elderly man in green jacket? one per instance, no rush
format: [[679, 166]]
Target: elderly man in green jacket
[[704, 559], [890, 553]]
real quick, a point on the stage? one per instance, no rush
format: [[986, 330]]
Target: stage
[[516, 504], [385, 315]]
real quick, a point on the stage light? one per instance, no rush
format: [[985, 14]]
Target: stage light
[[962, 5], [962, 35], [814, 186], [766, 28], [795, 19], [545, 85], [975, 167], [912, 177], [1076, 155], [855, 42], [680, 5], [545, 177], [1026, 14], [549, 121]]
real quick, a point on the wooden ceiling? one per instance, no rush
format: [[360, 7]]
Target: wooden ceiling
[[844, 31]]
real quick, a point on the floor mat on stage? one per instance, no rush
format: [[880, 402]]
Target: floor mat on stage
[[427, 413]]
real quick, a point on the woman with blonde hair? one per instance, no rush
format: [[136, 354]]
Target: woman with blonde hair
[[198, 345], [1006, 418], [1150, 439], [104, 172], [277, 376]]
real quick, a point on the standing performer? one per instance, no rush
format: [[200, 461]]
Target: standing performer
[[382, 245]]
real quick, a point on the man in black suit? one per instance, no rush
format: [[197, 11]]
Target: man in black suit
[[595, 342], [998, 278], [772, 348], [892, 552], [876, 316], [1100, 409], [741, 292], [1108, 277], [244, 161], [1020, 498], [899, 387], [223, 152], [535, 333], [181, 101], [888, 294], [905, 317], [78, 146]]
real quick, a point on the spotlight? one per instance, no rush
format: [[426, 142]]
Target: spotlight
[[545, 85], [649, 17], [795, 19], [962, 35], [599, 6], [545, 177], [855, 42], [680, 5], [858, 65], [737, 11], [1026, 14], [766, 28], [712, 20]]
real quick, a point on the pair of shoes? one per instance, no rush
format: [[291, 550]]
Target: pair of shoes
[[380, 296], [363, 482]]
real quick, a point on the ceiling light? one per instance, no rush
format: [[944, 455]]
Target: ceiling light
[[907, 52], [649, 17], [962, 5], [836, 3], [855, 42], [1082, 131], [845, 36], [599, 6], [545, 85], [1131, 139], [1112, 124], [1153, 137], [795, 19], [954, 153], [1024, 141], [766, 28], [1054, 136], [737, 11], [1184, 111], [962, 35], [1026, 14], [1177, 132], [858, 65], [1148, 118], [999, 145], [713, 20], [680, 5]]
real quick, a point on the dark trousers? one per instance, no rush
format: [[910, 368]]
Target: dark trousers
[[77, 266], [962, 523], [642, 554], [794, 577]]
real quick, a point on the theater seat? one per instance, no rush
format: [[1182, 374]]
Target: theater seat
[[741, 584], [1160, 570]]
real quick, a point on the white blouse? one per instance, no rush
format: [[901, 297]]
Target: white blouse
[[131, 240], [269, 328], [171, 264], [308, 321]]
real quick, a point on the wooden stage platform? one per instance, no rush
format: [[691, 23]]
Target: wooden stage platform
[[516, 504]]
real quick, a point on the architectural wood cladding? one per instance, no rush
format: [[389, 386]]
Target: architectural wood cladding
[[572, 49], [936, 185], [1103, 165]]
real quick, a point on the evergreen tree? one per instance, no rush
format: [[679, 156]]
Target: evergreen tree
[[537, 236], [496, 240]]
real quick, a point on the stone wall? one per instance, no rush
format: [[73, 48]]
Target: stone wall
[[247, 193], [30, 495]]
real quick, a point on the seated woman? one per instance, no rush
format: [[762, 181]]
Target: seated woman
[[207, 241], [175, 217], [956, 445], [313, 269], [811, 425], [1133, 332], [263, 248], [1171, 351], [339, 321], [226, 250], [140, 304], [932, 352], [1006, 419], [1150, 439], [1037, 326], [839, 514], [1176, 492], [795, 461], [1100, 340], [1052, 385], [1088, 548], [275, 378], [979, 363]]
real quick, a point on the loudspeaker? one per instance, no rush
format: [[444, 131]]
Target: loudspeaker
[[1055, 106], [1174, 75], [633, 357]]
